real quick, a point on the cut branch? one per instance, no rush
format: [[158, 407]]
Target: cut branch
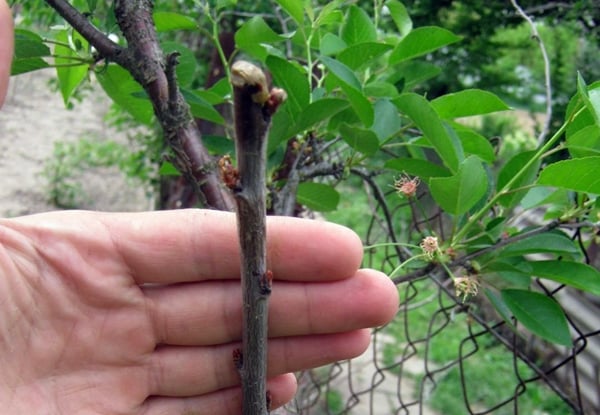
[[253, 107]]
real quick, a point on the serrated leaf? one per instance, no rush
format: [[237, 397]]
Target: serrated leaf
[[360, 139], [417, 167], [467, 103], [358, 27], [459, 193], [575, 274], [540, 314], [580, 175], [121, 88], [294, 81], [167, 21], [419, 110], [554, 242], [421, 41], [509, 171], [317, 196], [69, 75], [400, 16]]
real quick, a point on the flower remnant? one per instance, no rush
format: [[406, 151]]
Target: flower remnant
[[405, 186], [466, 286], [430, 246]]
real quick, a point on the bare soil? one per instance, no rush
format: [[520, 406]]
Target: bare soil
[[32, 120]]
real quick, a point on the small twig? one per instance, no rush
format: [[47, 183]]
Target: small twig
[[253, 108], [547, 81]]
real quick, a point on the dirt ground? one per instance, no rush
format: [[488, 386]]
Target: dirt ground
[[33, 118]]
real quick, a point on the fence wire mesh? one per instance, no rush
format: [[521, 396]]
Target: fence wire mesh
[[441, 355]]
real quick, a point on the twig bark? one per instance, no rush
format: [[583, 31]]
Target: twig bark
[[144, 60], [253, 107]]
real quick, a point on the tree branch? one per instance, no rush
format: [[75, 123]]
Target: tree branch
[[547, 81], [144, 60], [253, 107]]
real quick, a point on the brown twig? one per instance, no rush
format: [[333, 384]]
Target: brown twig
[[253, 107], [144, 60]]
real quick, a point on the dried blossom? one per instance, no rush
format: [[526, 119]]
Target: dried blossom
[[430, 246], [467, 286], [405, 186]]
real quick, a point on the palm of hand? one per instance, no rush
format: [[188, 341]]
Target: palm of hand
[[135, 314]]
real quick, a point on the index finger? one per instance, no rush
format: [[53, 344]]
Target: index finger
[[192, 245]]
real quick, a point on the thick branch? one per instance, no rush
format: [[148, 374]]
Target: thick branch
[[144, 60], [253, 107]]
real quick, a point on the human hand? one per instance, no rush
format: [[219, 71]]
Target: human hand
[[140, 313]]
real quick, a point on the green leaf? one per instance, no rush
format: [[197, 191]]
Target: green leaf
[[293, 79], [417, 167], [69, 74], [252, 36], [585, 142], [419, 110], [509, 171], [590, 97], [331, 44], [540, 314], [459, 193], [468, 103], [166, 21], [358, 27], [168, 169], [474, 143], [409, 74], [361, 54], [576, 274], [201, 108], [500, 306], [294, 8], [28, 53], [121, 88], [387, 121], [580, 175], [421, 41], [360, 139], [319, 111], [318, 196], [400, 16], [554, 242], [341, 72], [186, 68]]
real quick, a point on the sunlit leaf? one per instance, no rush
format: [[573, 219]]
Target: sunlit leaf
[[69, 68], [318, 196], [419, 110], [253, 35], [585, 142], [361, 54], [580, 175], [122, 89], [459, 193], [294, 9], [540, 314], [331, 44], [421, 41], [29, 51], [467, 103], [590, 97], [474, 143], [400, 16]]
